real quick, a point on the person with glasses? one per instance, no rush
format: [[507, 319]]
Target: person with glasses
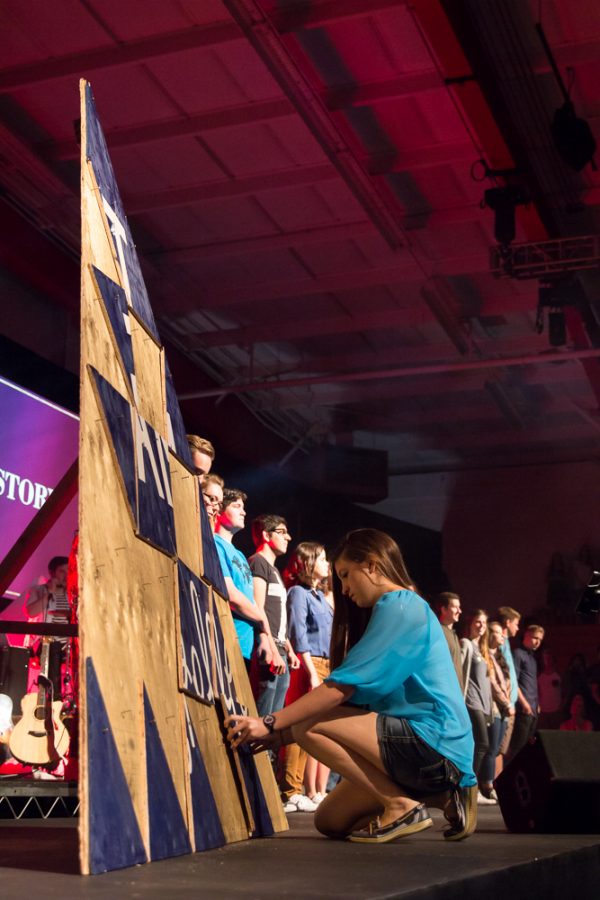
[[271, 539], [212, 494], [248, 619]]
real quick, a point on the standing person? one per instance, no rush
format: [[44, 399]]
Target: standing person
[[501, 709], [248, 619], [48, 603], [407, 734], [271, 538], [449, 611], [202, 453], [549, 692], [310, 619], [478, 688], [577, 720], [528, 704], [509, 618], [212, 494]]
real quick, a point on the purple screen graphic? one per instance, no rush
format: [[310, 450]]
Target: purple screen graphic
[[39, 442]]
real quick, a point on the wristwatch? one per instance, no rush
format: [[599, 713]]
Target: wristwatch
[[269, 722]]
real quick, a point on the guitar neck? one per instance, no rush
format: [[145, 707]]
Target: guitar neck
[[43, 681]]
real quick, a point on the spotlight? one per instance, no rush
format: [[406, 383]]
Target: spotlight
[[573, 137], [504, 200]]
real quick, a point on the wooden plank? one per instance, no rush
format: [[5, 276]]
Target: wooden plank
[[140, 518], [186, 509], [151, 399], [210, 737], [244, 693]]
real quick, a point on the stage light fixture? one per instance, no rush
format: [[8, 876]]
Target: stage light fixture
[[504, 201], [573, 137], [554, 296]]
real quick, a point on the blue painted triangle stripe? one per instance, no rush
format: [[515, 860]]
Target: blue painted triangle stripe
[[115, 840], [168, 832], [208, 831], [263, 826]]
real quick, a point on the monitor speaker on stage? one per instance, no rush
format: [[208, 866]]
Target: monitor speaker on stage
[[553, 785]]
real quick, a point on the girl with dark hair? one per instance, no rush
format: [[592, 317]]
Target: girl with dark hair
[[390, 718]]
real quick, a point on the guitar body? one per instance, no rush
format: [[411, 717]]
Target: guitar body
[[39, 738]]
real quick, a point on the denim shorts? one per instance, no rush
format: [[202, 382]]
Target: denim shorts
[[410, 762]]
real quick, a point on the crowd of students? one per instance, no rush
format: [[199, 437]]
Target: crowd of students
[[510, 693]]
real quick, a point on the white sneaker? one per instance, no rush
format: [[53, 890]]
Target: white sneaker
[[299, 803], [485, 801], [317, 798]]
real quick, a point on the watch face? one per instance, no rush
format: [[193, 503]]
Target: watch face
[[269, 721]]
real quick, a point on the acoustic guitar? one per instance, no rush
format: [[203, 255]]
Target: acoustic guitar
[[40, 738]]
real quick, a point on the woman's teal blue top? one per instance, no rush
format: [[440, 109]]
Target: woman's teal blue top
[[402, 667]]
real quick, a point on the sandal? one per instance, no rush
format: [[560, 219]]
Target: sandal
[[461, 813]]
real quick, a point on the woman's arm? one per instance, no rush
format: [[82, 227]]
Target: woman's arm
[[245, 729], [259, 588]]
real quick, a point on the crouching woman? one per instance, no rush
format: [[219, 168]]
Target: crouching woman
[[390, 718]]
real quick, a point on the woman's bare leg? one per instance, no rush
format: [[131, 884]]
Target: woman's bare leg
[[345, 809], [346, 741], [322, 778], [310, 776]]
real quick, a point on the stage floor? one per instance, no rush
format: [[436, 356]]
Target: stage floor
[[300, 863]]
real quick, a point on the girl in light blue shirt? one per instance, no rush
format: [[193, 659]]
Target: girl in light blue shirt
[[390, 718]]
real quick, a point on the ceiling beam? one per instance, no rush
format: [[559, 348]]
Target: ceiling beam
[[428, 156], [405, 353], [398, 372], [235, 187], [214, 297], [319, 13], [116, 55], [440, 218], [305, 328], [377, 201], [264, 243], [316, 15], [253, 113]]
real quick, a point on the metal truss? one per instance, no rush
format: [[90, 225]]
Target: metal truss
[[545, 259], [20, 800]]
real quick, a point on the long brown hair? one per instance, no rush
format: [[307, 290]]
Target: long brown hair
[[301, 566], [349, 620], [484, 640]]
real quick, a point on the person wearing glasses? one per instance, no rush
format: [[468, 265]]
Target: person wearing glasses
[[212, 494], [271, 538]]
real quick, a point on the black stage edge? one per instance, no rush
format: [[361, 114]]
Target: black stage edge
[[492, 864]]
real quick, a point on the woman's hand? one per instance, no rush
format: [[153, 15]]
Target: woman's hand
[[293, 659], [277, 663], [315, 681], [244, 730]]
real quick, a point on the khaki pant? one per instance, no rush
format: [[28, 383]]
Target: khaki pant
[[295, 756], [505, 744]]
